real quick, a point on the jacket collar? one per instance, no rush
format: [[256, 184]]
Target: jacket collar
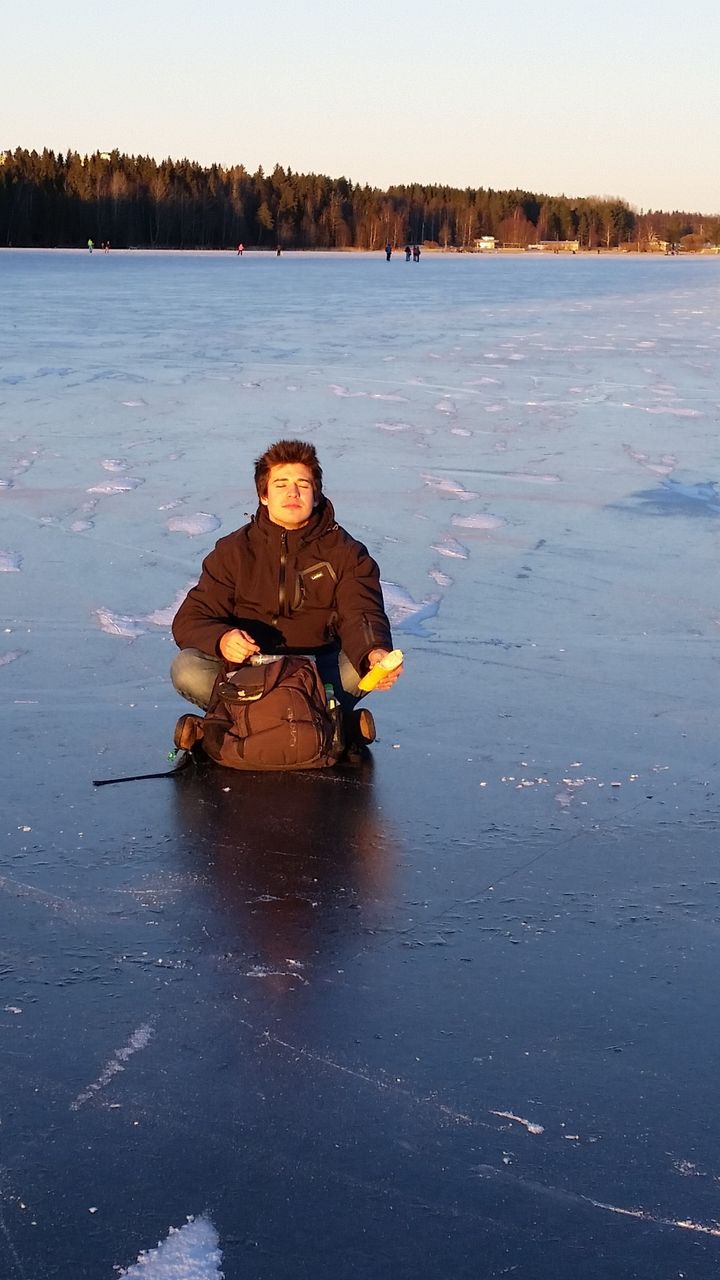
[[321, 520]]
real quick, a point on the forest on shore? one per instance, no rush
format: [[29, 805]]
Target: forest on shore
[[50, 199]]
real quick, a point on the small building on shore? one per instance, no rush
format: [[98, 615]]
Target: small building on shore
[[485, 244]]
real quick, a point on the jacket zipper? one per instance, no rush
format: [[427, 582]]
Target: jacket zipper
[[281, 579]]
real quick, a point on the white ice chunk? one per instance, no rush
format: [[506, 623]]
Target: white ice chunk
[[191, 1252], [10, 561]]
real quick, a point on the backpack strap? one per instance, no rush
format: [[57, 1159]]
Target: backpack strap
[[186, 759]]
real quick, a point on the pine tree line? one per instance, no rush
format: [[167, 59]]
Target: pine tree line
[[48, 199]]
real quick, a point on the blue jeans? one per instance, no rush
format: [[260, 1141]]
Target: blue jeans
[[193, 674]]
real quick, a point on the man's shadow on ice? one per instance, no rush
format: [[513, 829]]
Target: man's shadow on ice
[[293, 857]]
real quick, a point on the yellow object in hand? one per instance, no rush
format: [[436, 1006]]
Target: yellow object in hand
[[373, 677]]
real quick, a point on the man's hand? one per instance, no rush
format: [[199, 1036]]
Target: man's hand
[[237, 646], [388, 680]]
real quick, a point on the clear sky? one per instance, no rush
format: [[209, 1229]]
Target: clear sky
[[583, 99]]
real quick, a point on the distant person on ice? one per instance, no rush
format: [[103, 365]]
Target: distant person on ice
[[388, 251], [290, 581]]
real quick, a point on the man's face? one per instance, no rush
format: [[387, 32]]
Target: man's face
[[291, 495]]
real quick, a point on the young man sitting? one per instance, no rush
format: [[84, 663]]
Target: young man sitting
[[290, 581]]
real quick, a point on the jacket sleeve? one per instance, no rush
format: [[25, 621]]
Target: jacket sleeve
[[361, 619], [206, 613]]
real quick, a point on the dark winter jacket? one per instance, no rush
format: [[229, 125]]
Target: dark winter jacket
[[291, 589]]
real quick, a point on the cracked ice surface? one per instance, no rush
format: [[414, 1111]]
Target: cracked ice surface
[[460, 1005], [607, 399]]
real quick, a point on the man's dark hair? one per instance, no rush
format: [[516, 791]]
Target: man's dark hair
[[282, 452]]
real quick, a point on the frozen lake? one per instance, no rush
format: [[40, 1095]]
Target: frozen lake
[[453, 1015]]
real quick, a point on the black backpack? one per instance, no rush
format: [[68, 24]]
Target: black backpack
[[274, 716]]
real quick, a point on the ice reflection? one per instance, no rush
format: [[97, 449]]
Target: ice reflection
[[295, 860]]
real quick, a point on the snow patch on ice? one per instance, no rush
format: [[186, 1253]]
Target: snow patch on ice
[[394, 426], [345, 394], [451, 487], [527, 477], [190, 1252], [478, 522], [664, 467], [440, 578], [529, 1125], [662, 409], [164, 617], [194, 525], [139, 1039], [115, 486], [404, 612], [118, 624], [113, 464], [11, 656], [10, 561], [451, 548], [124, 624]]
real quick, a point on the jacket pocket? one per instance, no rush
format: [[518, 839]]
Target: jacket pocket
[[315, 586]]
